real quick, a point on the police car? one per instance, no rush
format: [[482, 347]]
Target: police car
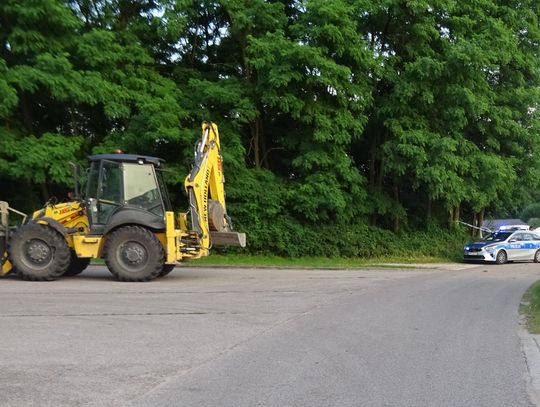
[[508, 243]]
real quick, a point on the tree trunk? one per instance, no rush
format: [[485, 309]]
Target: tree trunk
[[373, 175], [481, 220], [44, 191], [372, 159], [258, 142], [395, 189], [380, 175], [454, 216], [27, 114], [379, 183], [263, 146], [255, 141]]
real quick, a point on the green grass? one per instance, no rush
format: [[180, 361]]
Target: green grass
[[238, 260], [270, 261], [311, 262], [530, 308]]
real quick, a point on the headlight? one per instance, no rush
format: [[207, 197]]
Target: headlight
[[489, 249], [467, 248]]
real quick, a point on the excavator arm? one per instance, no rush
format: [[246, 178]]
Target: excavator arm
[[205, 189], [66, 226]]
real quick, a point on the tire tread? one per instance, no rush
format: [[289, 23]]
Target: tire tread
[[56, 240], [140, 234]]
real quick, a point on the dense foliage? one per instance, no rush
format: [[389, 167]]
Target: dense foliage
[[344, 122]]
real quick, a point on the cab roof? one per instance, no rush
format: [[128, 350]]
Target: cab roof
[[129, 158]]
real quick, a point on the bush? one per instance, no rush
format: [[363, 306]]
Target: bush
[[531, 211], [285, 236], [258, 203]]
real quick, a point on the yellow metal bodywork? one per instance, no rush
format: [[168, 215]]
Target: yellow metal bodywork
[[88, 246], [6, 268], [178, 243], [206, 181], [71, 215], [171, 238]]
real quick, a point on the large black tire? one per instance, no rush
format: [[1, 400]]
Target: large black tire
[[167, 268], [133, 253], [76, 264], [39, 253], [537, 256]]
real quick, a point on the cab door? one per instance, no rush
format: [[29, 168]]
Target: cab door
[[104, 192]]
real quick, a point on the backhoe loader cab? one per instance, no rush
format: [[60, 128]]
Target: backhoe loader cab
[[126, 188], [126, 219]]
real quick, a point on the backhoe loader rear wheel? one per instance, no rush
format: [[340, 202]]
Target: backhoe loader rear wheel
[[76, 264], [133, 253], [39, 253]]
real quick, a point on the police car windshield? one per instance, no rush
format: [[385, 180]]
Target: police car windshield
[[498, 236]]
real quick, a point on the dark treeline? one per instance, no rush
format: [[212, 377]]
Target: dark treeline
[[345, 123]]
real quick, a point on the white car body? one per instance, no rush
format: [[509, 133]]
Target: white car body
[[505, 245]]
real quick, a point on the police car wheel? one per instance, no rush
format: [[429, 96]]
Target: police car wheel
[[502, 257], [537, 256]]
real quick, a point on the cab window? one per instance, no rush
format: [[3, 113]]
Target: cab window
[[109, 191], [141, 188], [498, 236]]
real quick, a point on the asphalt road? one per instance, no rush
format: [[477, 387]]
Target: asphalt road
[[253, 337]]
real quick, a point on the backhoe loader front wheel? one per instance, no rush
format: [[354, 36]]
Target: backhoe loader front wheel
[[167, 268], [133, 253], [39, 253]]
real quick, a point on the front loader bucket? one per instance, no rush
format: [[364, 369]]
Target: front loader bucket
[[228, 239], [5, 266]]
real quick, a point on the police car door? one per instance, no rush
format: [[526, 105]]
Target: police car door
[[536, 242], [529, 246], [514, 247], [517, 249]]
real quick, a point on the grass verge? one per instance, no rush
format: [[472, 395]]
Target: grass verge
[[237, 260], [530, 308]]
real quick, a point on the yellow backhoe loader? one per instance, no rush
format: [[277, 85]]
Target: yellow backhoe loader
[[126, 219]]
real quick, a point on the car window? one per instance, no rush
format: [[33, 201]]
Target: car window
[[536, 237], [498, 236], [527, 236], [518, 237]]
